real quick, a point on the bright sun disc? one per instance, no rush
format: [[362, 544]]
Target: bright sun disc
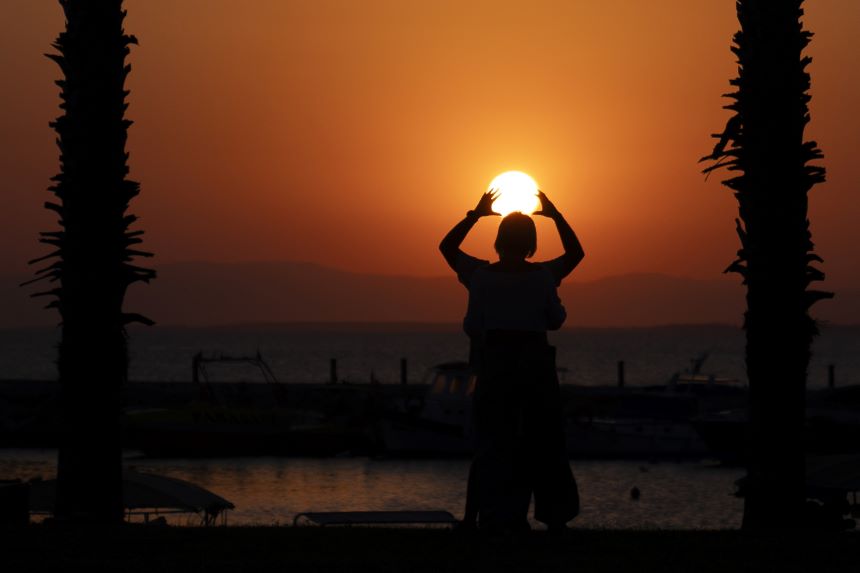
[[517, 192]]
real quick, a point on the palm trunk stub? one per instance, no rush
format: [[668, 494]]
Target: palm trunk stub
[[93, 254], [764, 142]]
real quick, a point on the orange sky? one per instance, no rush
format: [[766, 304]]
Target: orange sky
[[354, 134]]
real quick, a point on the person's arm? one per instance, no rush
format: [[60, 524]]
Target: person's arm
[[450, 245], [573, 252]]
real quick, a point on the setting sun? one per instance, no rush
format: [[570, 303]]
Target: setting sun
[[518, 192]]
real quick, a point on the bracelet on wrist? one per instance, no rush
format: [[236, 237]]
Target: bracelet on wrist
[[471, 214]]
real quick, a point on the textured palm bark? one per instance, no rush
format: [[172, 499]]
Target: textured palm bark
[[764, 142], [93, 257]]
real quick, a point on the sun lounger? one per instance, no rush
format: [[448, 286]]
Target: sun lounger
[[377, 517]]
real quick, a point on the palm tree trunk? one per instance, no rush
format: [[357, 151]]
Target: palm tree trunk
[[764, 142], [94, 266]]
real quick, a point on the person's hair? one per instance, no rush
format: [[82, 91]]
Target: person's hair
[[517, 235]]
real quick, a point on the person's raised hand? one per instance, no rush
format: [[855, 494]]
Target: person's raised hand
[[485, 204], [547, 208]]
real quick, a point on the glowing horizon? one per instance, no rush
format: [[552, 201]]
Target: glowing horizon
[[355, 134]]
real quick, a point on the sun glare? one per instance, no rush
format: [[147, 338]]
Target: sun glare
[[518, 192]]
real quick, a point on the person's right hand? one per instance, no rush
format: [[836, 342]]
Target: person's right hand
[[485, 204]]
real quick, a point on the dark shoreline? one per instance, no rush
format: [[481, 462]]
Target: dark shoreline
[[299, 549]]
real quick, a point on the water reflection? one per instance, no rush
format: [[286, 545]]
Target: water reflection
[[269, 491]]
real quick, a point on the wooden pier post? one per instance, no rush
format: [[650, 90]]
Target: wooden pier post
[[195, 368]]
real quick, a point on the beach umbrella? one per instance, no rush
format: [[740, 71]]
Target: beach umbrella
[[145, 491]]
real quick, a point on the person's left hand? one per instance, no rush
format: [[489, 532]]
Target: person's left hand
[[547, 209], [485, 204]]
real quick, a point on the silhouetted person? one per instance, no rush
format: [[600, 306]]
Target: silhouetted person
[[520, 446]]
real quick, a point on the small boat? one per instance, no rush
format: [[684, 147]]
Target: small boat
[[710, 392], [440, 422]]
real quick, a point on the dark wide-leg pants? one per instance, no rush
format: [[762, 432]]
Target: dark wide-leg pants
[[520, 447]]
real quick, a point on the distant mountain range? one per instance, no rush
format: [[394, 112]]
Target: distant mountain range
[[203, 294]]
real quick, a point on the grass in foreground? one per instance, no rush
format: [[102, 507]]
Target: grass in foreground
[[293, 550]]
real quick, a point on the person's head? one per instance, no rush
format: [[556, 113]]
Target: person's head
[[517, 237]]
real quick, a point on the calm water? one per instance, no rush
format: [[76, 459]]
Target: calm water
[[270, 491], [301, 354], [273, 490]]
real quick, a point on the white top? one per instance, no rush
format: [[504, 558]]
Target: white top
[[511, 301]]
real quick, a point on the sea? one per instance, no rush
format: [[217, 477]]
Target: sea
[[272, 491], [300, 353]]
